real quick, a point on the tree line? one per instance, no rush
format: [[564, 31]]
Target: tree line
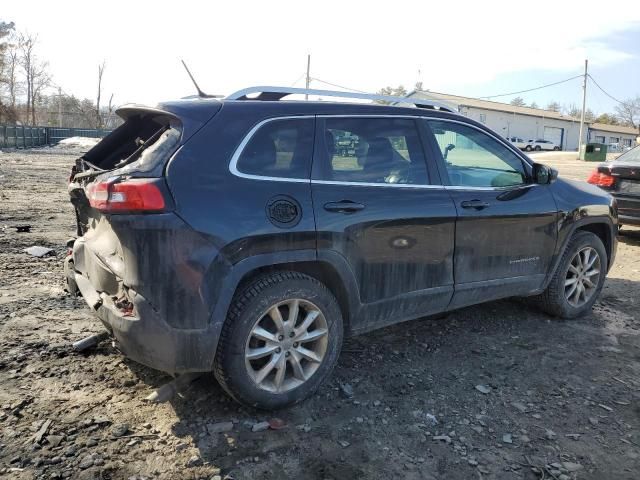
[[28, 95], [625, 114]]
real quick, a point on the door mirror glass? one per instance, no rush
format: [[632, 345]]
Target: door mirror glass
[[543, 174]]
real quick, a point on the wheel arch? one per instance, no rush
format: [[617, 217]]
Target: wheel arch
[[603, 232], [331, 270], [602, 227]]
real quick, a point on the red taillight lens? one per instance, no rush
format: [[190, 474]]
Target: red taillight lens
[[134, 195], [601, 179]]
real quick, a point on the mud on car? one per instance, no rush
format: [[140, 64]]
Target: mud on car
[[240, 236]]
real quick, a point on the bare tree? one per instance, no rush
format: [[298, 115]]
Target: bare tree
[[36, 72], [5, 31], [12, 63], [26, 44], [629, 112], [554, 107], [40, 79], [518, 102], [98, 116]]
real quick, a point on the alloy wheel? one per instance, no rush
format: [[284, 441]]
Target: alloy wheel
[[286, 345], [582, 277]]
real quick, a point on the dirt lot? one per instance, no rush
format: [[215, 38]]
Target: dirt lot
[[495, 391]]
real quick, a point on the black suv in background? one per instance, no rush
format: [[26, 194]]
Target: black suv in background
[[247, 236]]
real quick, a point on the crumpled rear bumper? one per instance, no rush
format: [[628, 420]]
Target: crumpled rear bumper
[[143, 336]]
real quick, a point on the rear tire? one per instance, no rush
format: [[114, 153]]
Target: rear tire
[[280, 341], [584, 266], [538, 148], [527, 148]]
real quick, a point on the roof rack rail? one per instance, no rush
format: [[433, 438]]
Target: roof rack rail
[[266, 93]]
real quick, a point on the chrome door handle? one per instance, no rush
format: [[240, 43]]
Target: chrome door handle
[[475, 204], [345, 206]]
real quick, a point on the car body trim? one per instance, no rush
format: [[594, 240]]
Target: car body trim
[[366, 184], [233, 164]]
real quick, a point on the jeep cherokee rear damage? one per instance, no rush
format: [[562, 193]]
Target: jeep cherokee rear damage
[[242, 237]]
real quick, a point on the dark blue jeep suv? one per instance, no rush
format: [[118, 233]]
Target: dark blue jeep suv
[[246, 236]]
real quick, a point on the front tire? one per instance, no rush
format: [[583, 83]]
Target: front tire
[[538, 148], [280, 341], [579, 278], [527, 148]]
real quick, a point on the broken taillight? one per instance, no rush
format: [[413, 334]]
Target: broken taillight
[[133, 195], [601, 179]]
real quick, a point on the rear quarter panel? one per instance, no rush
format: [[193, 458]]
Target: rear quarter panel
[[230, 212]]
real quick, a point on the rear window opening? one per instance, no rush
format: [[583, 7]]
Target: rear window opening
[[144, 142]]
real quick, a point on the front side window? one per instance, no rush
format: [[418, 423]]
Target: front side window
[[474, 159], [371, 150], [280, 148]]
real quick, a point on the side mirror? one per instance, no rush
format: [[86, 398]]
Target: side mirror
[[449, 147], [543, 175]]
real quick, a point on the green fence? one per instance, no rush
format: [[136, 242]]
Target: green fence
[[23, 136]]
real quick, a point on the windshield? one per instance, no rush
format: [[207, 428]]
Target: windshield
[[632, 155]]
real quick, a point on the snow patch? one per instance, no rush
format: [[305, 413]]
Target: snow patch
[[78, 142]]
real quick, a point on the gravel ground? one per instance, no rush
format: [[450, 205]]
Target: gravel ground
[[493, 391]]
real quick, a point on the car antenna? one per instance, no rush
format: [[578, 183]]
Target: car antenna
[[201, 94]]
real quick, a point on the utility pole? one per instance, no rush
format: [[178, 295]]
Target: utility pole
[[306, 96], [584, 105]]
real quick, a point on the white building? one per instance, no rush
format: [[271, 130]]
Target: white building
[[533, 123]]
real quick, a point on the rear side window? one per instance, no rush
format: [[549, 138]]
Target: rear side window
[[279, 148], [371, 150]]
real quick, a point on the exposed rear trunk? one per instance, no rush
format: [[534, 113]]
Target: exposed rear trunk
[[127, 232]]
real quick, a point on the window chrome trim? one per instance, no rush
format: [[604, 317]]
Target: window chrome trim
[[490, 189], [367, 184], [233, 164]]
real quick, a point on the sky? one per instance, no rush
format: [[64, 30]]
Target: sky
[[474, 48]]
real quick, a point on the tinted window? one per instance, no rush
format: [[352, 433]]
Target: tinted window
[[371, 150], [280, 148], [631, 156], [475, 159]]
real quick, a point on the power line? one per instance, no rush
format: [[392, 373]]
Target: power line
[[605, 92], [338, 86], [298, 79], [532, 89]]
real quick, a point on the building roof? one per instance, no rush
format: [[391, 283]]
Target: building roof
[[605, 127], [458, 101]]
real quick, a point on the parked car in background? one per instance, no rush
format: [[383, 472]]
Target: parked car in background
[[518, 142], [615, 148], [247, 236], [541, 144], [621, 178]]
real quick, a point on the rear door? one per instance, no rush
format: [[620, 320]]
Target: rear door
[[506, 226], [378, 208]]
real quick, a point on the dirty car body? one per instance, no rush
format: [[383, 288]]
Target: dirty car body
[[172, 223]]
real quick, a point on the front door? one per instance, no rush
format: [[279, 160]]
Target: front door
[[377, 207], [506, 227]]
